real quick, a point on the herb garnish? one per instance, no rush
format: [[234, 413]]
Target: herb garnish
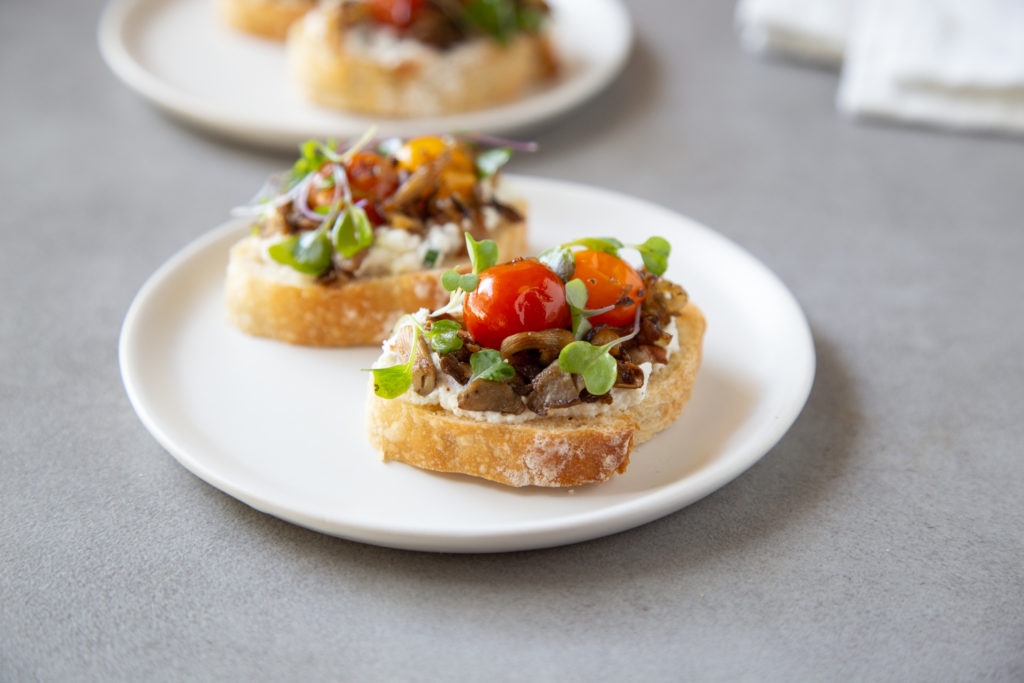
[[309, 252], [352, 231], [482, 255], [560, 259], [594, 363], [395, 380], [654, 252], [490, 161], [488, 364], [576, 296], [443, 336], [501, 18]]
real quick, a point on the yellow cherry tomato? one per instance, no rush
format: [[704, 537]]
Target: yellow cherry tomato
[[457, 177]]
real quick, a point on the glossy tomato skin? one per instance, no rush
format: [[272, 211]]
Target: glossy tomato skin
[[398, 13], [521, 296], [609, 280], [371, 175]]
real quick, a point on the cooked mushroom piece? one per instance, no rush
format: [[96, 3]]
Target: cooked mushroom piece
[[646, 353], [665, 298], [553, 388], [629, 375], [483, 394], [417, 185], [459, 370], [554, 339], [424, 375]]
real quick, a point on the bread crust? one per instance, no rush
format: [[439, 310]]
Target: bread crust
[[548, 451], [267, 18], [267, 299], [477, 74]]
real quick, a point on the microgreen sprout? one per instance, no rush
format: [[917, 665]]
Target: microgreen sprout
[[500, 19], [594, 363], [654, 252], [488, 364], [561, 260], [490, 161], [395, 380], [443, 337], [352, 231], [576, 296], [482, 255], [308, 252]]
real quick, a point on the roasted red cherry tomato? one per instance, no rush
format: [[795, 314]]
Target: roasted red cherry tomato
[[398, 13], [610, 280], [371, 175], [521, 296]]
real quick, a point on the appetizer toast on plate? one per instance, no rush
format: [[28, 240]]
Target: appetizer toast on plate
[[420, 57], [541, 372], [266, 18], [350, 239]]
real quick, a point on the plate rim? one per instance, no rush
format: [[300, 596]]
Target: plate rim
[[511, 536], [228, 123]]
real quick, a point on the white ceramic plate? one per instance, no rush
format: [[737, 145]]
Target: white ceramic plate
[[176, 54], [281, 427]]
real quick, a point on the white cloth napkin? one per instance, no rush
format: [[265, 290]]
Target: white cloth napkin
[[810, 30], [955, 63]]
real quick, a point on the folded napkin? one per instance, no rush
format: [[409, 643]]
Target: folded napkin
[[955, 63], [810, 30]]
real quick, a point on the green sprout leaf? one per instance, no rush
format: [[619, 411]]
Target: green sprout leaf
[[430, 257], [609, 245], [488, 364], [593, 363], [452, 280], [444, 337], [496, 18], [529, 18], [482, 254], [352, 231], [560, 260], [490, 161], [576, 295], [312, 155], [655, 252], [309, 252], [393, 381]]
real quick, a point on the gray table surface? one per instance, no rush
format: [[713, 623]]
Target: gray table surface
[[881, 539]]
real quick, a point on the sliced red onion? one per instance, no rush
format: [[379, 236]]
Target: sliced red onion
[[493, 141]]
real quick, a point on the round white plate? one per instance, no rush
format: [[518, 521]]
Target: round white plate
[[280, 427], [177, 54]]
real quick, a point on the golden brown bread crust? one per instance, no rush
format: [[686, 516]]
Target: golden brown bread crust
[[548, 451], [267, 299], [480, 73], [267, 18]]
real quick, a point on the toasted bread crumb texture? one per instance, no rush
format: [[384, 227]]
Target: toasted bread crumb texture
[[549, 451], [267, 299], [267, 18]]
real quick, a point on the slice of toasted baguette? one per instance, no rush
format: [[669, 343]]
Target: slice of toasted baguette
[[267, 299], [334, 71], [267, 18], [546, 451]]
